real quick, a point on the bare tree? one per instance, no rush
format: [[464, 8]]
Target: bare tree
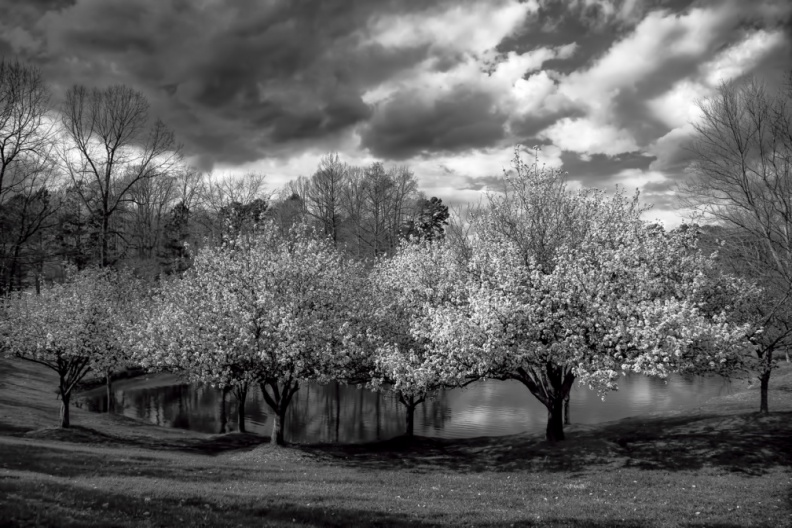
[[387, 198], [741, 179], [322, 194], [111, 146], [24, 130], [532, 212], [29, 211], [353, 202], [152, 199], [231, 194]]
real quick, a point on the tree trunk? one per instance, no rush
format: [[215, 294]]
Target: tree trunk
[[109, 386], [764, 379], [64, 410], [555, 420], [278, 423], [241, 396], [550, 385], [410, 404], [410, 421], [764, 384], [104, 245], [13, 271], [241, 416], [223, 414], [279, 401], [566, 411], [338, 411]]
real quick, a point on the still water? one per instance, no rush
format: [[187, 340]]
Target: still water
[[342, 414]]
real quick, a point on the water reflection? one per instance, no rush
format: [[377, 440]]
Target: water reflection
[[342, 414]]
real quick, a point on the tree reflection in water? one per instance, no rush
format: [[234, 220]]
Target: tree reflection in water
[[335, 413]]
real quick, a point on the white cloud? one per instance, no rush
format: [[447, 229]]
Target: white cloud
[[461, 31], [677, 107], [534, 94], [589, 137], [459, 28], [669, 218], [657, 38], [637, 178], [736, 60]]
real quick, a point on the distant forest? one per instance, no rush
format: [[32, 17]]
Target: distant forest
[[95, 179]]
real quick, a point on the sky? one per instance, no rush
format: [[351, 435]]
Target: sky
[[607, 88]]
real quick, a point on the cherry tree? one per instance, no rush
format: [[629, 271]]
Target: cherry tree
[[606, 294], [71, 328], [421, 275], [274, 310]]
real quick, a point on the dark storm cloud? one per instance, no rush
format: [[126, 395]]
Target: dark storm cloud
[[525, 128], [407, 125], [237, 80], [480, 183], [593, 26], [16, 19], [660, 194], [598, 170]]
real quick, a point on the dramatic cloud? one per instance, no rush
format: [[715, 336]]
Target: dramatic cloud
[[609, 88]]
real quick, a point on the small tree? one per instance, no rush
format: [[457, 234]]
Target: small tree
[[126, 299], [70, 328], [741, 179], [430, 221], [404, 287]]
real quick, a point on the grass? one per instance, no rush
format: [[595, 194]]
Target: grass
[[720, 465]]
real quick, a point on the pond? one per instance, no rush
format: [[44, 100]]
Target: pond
[[344, 414]]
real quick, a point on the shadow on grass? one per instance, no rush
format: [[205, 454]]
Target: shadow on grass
[[205, 445], [41, 503], [67, 462], [47, 503], [748, 443]]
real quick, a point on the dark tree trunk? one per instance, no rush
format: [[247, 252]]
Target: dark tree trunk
[[278, 423], [338, 411], [13, 271], [240, 393], [279, 400], [64, 410], [764, 379], [566, 411], [109, 386], [764, 385], [550, 384], [223, 413], [555, 420], [410, 421], [410, 403]]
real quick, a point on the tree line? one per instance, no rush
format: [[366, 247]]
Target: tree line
[[97, 180], [353, 276], [581, 291]]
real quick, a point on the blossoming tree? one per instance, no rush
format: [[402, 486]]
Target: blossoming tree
[[274, 310], [421, 275], [71, 327], [564, 286]]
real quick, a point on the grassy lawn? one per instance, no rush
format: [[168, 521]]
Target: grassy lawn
[[719, 465]]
